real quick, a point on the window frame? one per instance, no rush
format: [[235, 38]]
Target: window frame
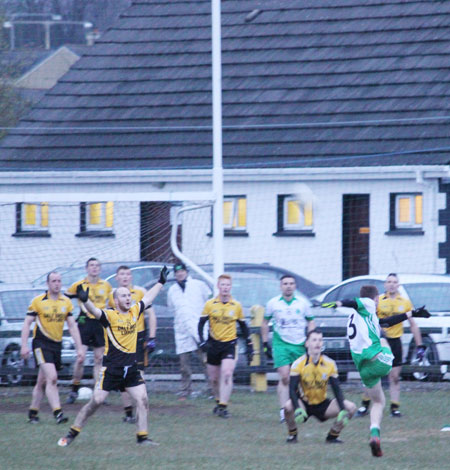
[[228, 230], [88, 229], [396, 226], [295, 230], [36, 229]]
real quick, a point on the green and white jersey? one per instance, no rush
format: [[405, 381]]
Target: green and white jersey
[[363, 330], [290, 318]]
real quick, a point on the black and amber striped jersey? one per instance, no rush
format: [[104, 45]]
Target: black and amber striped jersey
[[314, 377], [98, 293], [50, 316], [388, 307], [136, 294], [121, 335], [222, 318]]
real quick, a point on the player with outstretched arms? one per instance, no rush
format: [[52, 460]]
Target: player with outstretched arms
[[371, 353], [119, 370]]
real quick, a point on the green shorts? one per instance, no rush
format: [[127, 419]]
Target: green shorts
[[284, 354], [372, 371]]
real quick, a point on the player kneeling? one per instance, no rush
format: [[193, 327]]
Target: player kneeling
[[308, 383]]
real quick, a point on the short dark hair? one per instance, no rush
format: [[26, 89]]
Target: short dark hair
[[317, 331], [369, 291], [122, 266], [284, 276], [50, 273], [91, 259]]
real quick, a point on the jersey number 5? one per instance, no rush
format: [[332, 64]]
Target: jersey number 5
[[352, 326]]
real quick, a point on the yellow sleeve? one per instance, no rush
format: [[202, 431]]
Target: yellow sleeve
[[206, 309], [73, 288], [111, 302], [33, 306], [69, 306]]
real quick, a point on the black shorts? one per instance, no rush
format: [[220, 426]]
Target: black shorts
[[220, 350], [140, 350], [119, 378], [319, 410], [91, 332], [46, 352], [396, 348]]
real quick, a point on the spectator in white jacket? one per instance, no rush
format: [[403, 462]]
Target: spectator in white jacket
[[186, 299]]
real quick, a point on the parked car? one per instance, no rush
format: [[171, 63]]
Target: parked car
[[143, 272], [14, 302], [305, 286], [250, 289], [432, 290]]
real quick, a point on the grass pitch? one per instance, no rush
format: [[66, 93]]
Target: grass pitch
[[192, 438]]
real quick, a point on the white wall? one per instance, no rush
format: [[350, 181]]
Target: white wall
[[319, 258]]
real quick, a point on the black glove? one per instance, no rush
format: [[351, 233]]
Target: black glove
[[164, 273], [151, 345], [420, 352], [204, 346], [421, 312], [83, 295], [267, 350], [249, 351], [329, 305]]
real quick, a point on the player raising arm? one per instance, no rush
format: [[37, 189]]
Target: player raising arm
[[119, 371], [371, 353]]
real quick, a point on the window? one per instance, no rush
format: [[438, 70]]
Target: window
[[406, 213], [32, 220], [234, 216], [295, 218], [235, 213], [96, 219]]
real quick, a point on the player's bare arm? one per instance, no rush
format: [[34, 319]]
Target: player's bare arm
[[25, 350], [75, 333]]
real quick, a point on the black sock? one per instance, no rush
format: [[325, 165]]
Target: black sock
[[128, 411], [365, 403], [331, 436], [395, 406], [141, 436], [75, 387], [222, 406], [32, 413], [56, 412], [73, 431]]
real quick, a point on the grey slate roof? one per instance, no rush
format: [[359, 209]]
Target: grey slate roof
[[306, 83]]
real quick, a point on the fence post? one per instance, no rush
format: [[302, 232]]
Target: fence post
[[258, 380]]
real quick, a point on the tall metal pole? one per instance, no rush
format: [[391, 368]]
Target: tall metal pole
[[217, 139]]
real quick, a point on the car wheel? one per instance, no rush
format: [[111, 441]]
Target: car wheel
[[12, 359], [431, 358]]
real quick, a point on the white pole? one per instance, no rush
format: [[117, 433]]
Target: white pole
[[218, 259]]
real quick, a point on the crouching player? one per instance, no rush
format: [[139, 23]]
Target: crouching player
[[119, 371], [308, 383], [371, 353]]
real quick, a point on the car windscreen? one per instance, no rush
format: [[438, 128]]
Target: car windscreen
[[16, 302], [68, 276], [435, 296]]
